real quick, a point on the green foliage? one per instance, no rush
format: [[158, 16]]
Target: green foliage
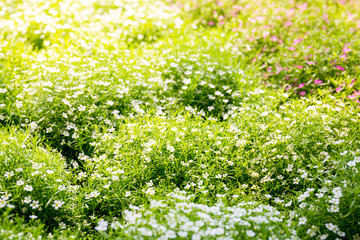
[[144, 119]]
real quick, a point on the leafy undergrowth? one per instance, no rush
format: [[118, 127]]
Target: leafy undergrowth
[[155, 120]]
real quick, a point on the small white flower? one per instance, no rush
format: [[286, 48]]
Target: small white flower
[[323, 237], [337, 192], [187, 81], [20, 182], [174, 65], [351, 164], [250, 233], [62, 225], [57, 204], [110, 103], [2, 203], [102, 225], [343, 153], [332, 227], [28, 188], [3, 90], [302, 220], [34, 204], [33, 216], [27, 200], [333, 208]]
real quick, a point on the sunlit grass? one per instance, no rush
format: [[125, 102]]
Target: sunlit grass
[[179, 119]]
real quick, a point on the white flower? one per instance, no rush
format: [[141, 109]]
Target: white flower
[[187, 81], [195, 236], [62, 225], [323, 237], [174, 65], [337, 192], [302, 220], [28, 188], [33, 216], [34, 204], [3, 90], [102, 225], [170, 148], [351, 164], [170, 234], [182, 234], [2, 203], [332, 227], [20, 182], [343, 153], [110, 103], [150, 191], [57, 204], [210, 108], [27, 200], [333, 208], [250, 233], [303, 196], [311, 232]]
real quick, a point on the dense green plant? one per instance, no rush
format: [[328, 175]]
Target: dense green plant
[[144, 119]]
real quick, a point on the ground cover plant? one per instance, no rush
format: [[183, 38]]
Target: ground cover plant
[[179, 119]]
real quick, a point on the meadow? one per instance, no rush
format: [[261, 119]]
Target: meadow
[[179, 119]]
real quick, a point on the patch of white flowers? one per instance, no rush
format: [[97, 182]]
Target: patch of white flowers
[[182, 218]]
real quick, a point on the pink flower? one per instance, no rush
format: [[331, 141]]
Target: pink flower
[[325, 17], [274, 38], [342, 56], [303, 6], [211, 23], [287, 88], [219, 3], [346, 50], [317, 81], [299, 66], [338, 89], [288, 23], [296, 41], [302, 93], [292, 48], [310, 63], [260, 18], [340, 68], [301, 85]]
